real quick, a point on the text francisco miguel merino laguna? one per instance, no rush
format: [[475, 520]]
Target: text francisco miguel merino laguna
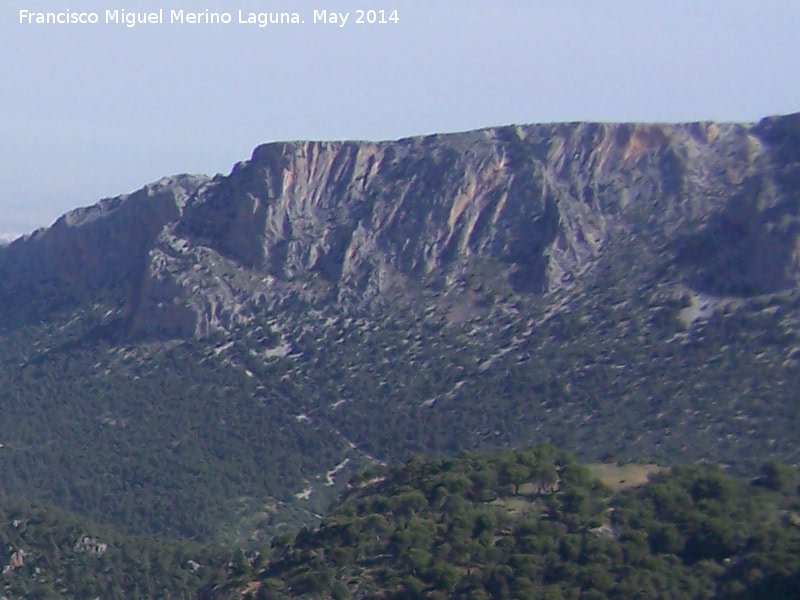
[[131, 19]]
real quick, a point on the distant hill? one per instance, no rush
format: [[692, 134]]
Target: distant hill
[[239, 346]]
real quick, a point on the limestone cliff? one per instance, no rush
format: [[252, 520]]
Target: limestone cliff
[[101, 249], [529, 209]]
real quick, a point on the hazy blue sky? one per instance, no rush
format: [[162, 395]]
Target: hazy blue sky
[[88, 111]]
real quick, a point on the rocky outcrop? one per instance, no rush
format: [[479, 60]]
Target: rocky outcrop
[[16, 561], [88, 252], [529, 209], [91, 545]]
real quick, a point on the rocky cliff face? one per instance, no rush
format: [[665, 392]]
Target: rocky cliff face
[[530, 209], [89, 251]]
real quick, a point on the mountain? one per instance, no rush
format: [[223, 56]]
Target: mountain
[[239, 346]]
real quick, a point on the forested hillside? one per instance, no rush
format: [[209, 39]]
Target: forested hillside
[[534, 523], [46, 553]]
